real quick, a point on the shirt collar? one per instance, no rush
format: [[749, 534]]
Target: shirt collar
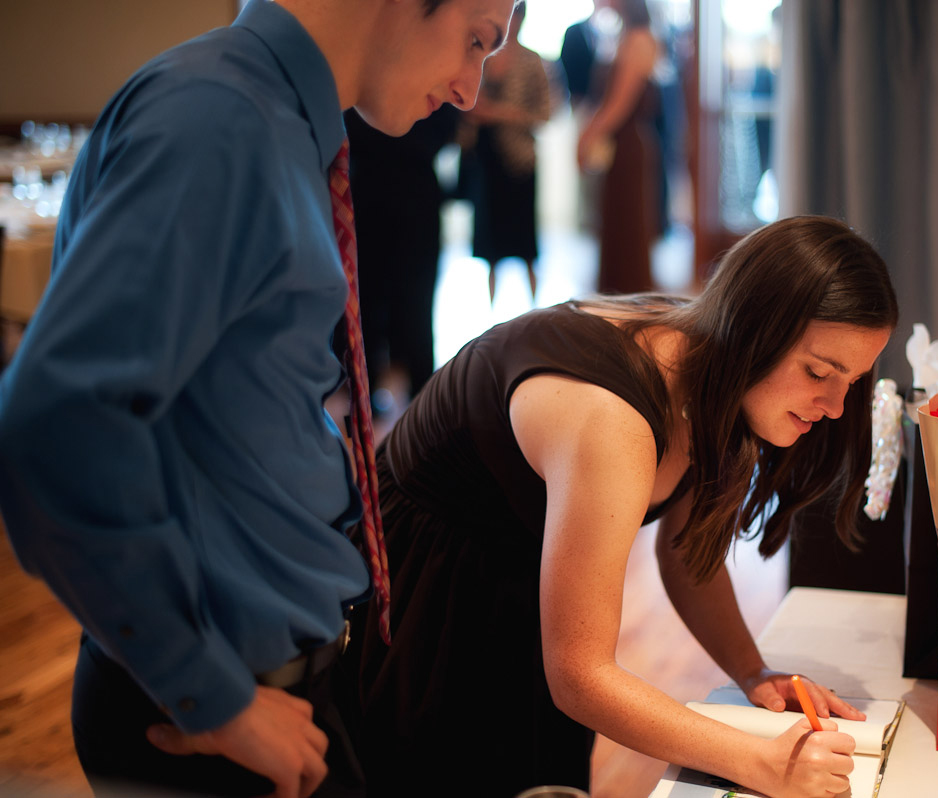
[[305, 66]]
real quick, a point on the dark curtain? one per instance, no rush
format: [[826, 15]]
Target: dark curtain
[[858, 137]]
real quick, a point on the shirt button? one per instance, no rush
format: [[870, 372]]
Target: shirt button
[[187, 704], [126, 631]]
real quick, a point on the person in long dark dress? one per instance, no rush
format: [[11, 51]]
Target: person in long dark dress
[[621, 139], [514, 485], [586, 54]]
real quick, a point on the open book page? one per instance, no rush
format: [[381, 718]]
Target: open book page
[[765, 723], [729, 705]]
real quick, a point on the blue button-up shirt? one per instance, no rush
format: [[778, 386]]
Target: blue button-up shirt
[[166, 464]]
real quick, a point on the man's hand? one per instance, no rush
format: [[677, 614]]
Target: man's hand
[[273, 736]]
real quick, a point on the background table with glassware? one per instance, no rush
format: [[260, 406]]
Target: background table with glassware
[[33, 176]]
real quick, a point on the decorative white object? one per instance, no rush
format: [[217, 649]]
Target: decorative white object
[[887, 448], [922, 354]]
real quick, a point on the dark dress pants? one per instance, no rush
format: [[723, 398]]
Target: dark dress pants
[[110, 715]]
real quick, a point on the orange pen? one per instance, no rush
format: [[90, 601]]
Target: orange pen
[[806, 705]]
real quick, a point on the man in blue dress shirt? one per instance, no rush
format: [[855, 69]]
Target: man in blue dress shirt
[[166, 464]]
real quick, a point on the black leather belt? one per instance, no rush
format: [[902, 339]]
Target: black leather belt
[[307, 665]]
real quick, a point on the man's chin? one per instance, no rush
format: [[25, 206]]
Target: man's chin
[[390, 127]]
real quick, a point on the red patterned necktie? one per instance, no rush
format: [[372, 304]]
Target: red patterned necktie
[[362, 432]]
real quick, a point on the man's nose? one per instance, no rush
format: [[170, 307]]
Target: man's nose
[[464, 90]]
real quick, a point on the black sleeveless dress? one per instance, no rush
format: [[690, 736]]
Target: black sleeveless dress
[[459, 704]]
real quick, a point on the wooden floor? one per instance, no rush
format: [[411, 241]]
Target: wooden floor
[[38, 645], [39, 641]]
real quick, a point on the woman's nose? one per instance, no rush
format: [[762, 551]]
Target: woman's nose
[[832, 402]]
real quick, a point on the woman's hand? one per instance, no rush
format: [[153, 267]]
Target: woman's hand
[[583, 147], [586, 147], [802, 763], [774, 690]]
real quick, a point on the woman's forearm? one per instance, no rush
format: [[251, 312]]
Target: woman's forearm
[[710, 609]]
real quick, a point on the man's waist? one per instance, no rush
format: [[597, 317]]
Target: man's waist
[[308, 664]]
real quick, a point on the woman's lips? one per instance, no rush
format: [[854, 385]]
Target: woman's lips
[[801, 422]]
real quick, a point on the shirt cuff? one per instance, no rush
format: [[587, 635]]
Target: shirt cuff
[[206, 690]]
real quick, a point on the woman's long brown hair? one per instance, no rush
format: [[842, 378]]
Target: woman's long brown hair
[[755, 308]]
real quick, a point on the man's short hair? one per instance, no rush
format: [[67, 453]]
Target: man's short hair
[[429, 6]]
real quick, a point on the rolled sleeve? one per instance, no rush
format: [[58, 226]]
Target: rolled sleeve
[[158, 264]]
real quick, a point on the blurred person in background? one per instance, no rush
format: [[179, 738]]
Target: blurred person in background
[[587, 50], [578, 53], [621, 141], [398, 199], [513, 100]]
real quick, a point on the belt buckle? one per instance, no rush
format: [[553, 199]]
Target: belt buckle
[[344, 637]]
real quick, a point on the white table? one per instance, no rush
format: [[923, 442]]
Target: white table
[[853, 642]]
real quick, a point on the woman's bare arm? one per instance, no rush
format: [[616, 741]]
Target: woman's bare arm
[[711, 612]]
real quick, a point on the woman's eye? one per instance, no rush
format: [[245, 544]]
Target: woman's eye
[[813, 376], [477, 43]]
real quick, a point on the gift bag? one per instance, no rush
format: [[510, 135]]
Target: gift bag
[[921, 546]]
